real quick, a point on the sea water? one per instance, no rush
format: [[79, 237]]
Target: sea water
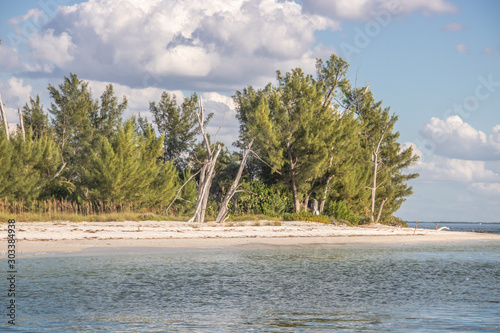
[[315, 288], [492, 228]]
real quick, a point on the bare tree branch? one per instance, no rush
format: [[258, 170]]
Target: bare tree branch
[[260, 159], [179, 191]]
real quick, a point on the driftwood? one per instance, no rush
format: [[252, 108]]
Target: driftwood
[[223, 211], [4, 117]]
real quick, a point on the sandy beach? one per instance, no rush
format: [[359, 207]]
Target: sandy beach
[[41, 237]]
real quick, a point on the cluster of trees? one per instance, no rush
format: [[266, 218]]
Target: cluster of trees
[[301, 139]]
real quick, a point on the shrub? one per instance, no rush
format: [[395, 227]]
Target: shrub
[[340, 211], [263, 199]]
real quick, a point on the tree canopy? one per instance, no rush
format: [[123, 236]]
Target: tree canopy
[[314, 138]]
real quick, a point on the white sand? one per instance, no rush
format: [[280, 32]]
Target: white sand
[[36, 237]]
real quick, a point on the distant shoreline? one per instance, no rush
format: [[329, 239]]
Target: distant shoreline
[[42, 237]]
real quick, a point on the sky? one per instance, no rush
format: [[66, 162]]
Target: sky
[[435, 63]]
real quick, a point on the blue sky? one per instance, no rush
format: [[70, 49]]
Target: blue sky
[[436, 63]]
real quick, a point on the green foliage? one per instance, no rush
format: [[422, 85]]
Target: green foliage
[[341, 212], [259, 198], [179, 125], [291, 127], [29, 165], [306, 216], [127, 168], [35, 118], [71, 112], [319, 137]]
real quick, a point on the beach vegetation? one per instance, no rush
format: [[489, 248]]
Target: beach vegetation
[[312, 147]]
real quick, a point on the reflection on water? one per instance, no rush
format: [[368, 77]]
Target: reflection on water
[[281, 289]]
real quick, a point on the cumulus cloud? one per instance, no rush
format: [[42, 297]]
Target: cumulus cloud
[[486, 188], [10, 59], [453, 138], [447, 169], [198, 44], [50, 49], [462, 48], [453, 27], [139, 98], [14, 92], [368, 9]]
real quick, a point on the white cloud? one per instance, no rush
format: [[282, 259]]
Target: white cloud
[[462, 48], [14, 93], [139, 98], [9, 59], [453, 138], [453, 27], [442, 169], [486, 188], [195, 45], [51, 50], [368, 9]]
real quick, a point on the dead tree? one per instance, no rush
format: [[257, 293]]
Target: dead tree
[[207, 171], [224, 210], [21, 123], [376, 162], [4, 117]]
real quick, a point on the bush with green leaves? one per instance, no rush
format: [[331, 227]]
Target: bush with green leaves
[[340, 211], [259, 198]]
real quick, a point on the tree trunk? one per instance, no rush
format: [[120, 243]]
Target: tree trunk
[[306, 204], [375, 161], [293, 185], [207, 171], [4, 117], [223, 211], [21, 122], [374, 185], [322, 204], [207, 174], [380, 209]]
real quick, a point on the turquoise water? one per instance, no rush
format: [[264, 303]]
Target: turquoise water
[[398, 288]]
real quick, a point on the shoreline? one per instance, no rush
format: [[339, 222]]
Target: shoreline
[[69, 237]]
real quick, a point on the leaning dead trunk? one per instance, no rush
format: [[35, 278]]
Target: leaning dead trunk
[[206, 176], [207, 172], [380, 209], [4, 117], [224, 210]]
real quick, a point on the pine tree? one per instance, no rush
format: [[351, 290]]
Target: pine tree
[[179, 125], [126, 168], [388, 183], [71, 111], [107, 117], [35, 117], [30, 165]]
